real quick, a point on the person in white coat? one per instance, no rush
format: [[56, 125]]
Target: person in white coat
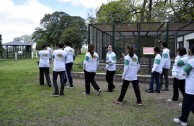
[[156, 71], [165, 65], [90, 65], [131, 67], [110, 68], [59, 57], [188, 100], [69, 63], [179, 81]]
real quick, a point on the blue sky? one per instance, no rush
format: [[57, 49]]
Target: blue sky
[[19, 17]]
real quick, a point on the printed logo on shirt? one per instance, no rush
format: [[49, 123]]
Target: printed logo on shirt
[[45, 55], [71, 51], [59, 55], [94, 57], [134, 60]]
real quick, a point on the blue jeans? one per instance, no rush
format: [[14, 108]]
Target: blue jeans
[[155, 76], [61, 74], [68, 70], [188, 105]]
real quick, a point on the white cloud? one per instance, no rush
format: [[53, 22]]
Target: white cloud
[[86, 3], [17, 20]]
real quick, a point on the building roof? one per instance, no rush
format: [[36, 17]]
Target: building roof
[[16, 43], [175, 29]]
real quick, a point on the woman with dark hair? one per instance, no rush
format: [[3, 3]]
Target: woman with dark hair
[[90, 65], [131, 67], [110, 68], [188, 99], [156, 71], [179, 81]]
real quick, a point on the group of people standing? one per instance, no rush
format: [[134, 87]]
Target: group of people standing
[[63, 59], [183, 73]]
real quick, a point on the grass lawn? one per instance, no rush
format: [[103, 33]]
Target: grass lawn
[[23, 102]]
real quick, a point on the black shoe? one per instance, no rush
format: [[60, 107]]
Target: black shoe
[[49, 84], [61, 94], [108, 91], [98, 92], [156, 91], [149, 91], [55, 94], [113, 86]]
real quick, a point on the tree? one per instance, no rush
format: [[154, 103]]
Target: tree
[[75, 33], [122, 11], [1, 46], [24, 39], [53, 25]]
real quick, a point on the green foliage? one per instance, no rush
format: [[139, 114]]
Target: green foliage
[[114, 11], [55, 24], [121, 11]]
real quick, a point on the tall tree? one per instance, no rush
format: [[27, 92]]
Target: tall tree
[[53, 25], [1, 46]]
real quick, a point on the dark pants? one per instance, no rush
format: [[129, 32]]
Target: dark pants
[[188, 105], [109, 79], [178, 85], [68, 70], [89, 78], [165, 74], [124, 89], [155, 76], [44, 71], [61, 74]]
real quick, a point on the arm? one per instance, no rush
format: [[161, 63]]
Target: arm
[[186, 69], [85, 61], [126, 66]]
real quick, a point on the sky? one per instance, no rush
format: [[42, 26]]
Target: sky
[[20, 17]]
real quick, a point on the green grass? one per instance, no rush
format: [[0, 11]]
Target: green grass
[[24, 102]]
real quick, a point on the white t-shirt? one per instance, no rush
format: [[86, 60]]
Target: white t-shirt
[[70, 54], [59, 60], [44, 58], [111, 61], [189, 84], [131, 67], [91, 63]]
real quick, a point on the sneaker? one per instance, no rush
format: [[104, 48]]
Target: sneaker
[[98, 92], [55, 94], [61, 94], [117, 102], [156, 91], [170, 100], [69, 87], [85, 93], [149, 91], [138, 103], [176, 120], [49, 84]]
